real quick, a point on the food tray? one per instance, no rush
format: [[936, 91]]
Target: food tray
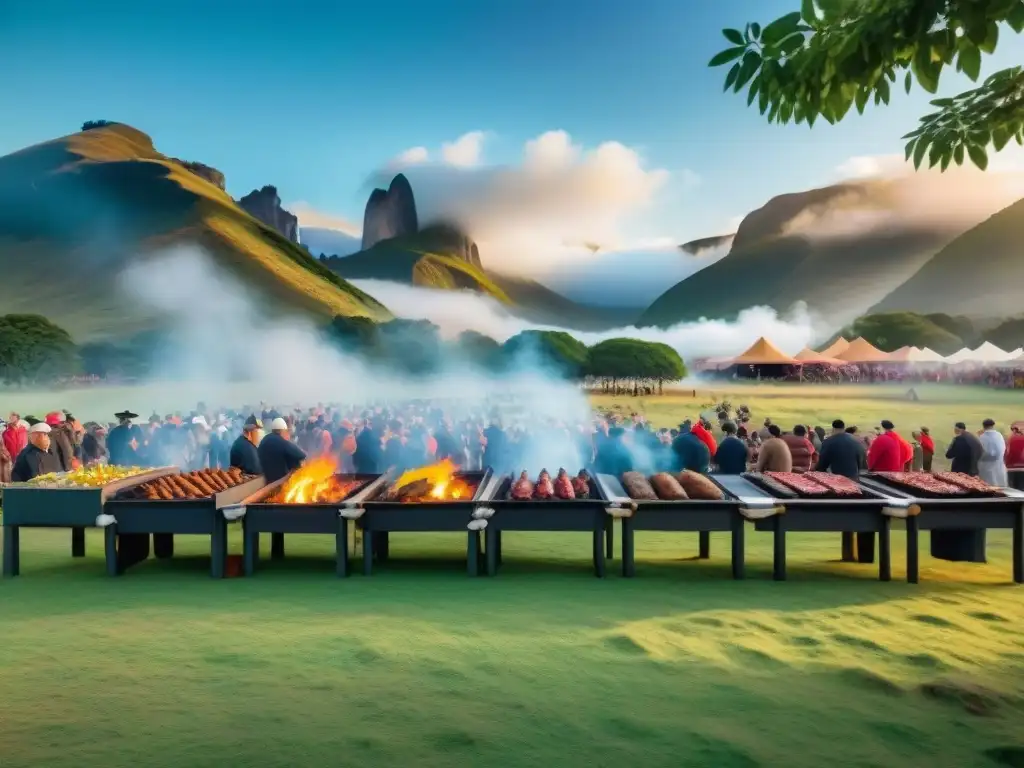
[[504, 492], [788, 495], [920, 493]]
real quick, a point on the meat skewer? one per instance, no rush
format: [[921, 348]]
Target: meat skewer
[[563, 486], [522, 489], [544, 489], [581, 485]]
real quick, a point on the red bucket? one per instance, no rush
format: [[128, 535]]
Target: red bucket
[[233, 567]]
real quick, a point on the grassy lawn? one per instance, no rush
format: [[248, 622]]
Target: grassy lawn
[[420, 665], [543, 665]]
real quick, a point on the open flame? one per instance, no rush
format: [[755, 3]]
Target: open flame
[[316, 481], [443, 481]]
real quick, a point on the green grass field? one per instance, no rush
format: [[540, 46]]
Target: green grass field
[[543, 665]]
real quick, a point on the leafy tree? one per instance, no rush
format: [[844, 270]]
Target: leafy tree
[[412, 345], [833, 55], [89, 125], [958, 325], [481, 349], [635, 359], [561, 351], [32, 348], [353, 334], [890, 331]]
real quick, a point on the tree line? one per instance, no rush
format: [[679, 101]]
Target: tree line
[[35, 350], [940, 332]]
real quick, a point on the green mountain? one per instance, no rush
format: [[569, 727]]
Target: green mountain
[[824, 247], [75, 210], [442, 257], [980, 274]]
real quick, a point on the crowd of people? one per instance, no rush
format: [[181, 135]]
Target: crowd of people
[[500, 435], [998, 377]]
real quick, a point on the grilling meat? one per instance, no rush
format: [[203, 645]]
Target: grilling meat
[[638, 487], [774, 487], [697, 486], [667, 487], [545, 488], [837, 484], [922, 481], [581, 485], [563, 486], [968, 483], [799, 483], [198, 484], [522, 489]]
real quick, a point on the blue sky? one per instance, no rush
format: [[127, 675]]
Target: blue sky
[[314, 97]]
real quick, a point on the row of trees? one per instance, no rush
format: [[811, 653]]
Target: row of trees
[[32, 349], [941, 332]]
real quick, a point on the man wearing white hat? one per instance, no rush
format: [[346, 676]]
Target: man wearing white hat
[[278, 455], [36, 459]]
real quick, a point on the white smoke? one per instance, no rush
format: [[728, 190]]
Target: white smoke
[[230, 352], [457, 311]]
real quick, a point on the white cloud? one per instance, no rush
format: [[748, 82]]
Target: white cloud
[[411, 156], [689, 179], [309, 216], [465, 151]]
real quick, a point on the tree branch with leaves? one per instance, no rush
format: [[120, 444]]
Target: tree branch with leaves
[[832, 56]]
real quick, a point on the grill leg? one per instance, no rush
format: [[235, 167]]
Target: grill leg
[[599, 552], [885, 550], [218, 547], [367, 552], [250, 548], [12, 550], [913, 551], [628, 549], [341, 548], [473, 553], [738, 546], [163, 545], [277, 546], [110, 550], [1018, 548], [704, 545], [609, 537], [847, 547], [866, 547], [779, 554], [78, 542], [492, 537]]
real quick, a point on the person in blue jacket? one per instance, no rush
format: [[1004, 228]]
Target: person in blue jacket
[[277, 454], [690, 451], [244, 453], [731, 456], [613, 456]]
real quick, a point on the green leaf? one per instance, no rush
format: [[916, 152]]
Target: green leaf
[[1000, 138], [969, 60], [958, 154], [934, 154], [862, 99], [751, 63], [988, 45], [941, 103], [731, 77], [755, 85], [791, 44], [786, 112], [883, 90], [978, 156], [909, 149], [907, 82], [946, 157], [1016, 19], [808, 12], [924, 70], [724, 57], [755, 31], [734, 36], [762, 103], [919, 149], [780, 29]]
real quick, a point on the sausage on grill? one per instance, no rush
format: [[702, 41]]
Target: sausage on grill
[[697, 486], [667, 487], [637, 487]]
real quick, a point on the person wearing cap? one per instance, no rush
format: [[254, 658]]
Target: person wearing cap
[[993, 446], [277, 454], [94, 444], [61, 444], [964, 451], [124, 440], [244, 453], [36, 459]]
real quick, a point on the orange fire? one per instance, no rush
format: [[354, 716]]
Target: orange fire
[[315, 482], [446, 486]]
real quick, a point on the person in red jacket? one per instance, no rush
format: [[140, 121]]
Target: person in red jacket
[[927, 449], [889, 452], [15, 436], [701, 431], [1014, 457]]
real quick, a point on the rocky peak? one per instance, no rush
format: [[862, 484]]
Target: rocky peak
[[265, 204], [448, 239], [390, 213], [203, 171]]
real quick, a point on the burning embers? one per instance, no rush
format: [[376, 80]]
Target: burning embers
[[433, 483], [318, 482]]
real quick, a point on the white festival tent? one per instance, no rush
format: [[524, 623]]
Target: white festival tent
[[986, 353], [925, 355], [959, 357]]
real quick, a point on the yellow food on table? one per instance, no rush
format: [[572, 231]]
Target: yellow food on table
[[86, 477]]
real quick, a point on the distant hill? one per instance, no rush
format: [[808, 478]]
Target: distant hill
[[75, 210], [330, 242], [980, 274], [784, 253], [705, 244]]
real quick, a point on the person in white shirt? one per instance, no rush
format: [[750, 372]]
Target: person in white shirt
[[991, 468]]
